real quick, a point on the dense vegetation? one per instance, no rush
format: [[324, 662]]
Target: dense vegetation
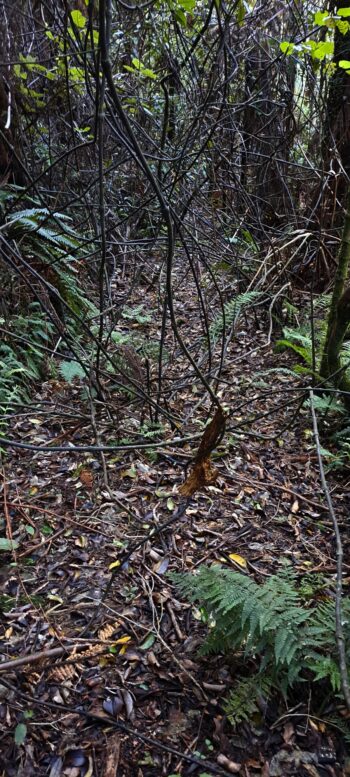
[[174, 250]]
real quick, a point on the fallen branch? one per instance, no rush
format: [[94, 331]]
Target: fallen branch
[[32, 658]]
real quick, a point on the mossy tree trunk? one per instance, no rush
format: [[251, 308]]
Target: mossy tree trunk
[[336, 130], [339, 314], [336, 145]]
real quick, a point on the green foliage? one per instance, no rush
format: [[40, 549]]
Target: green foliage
[[54, 251], [292, 637], [321, 50], [70, 370], [299, 340], [232, 310], [327, 404], [52, 242], [243, 702], [8, 545], [20, 734], [136, 314], [341, 457], [21, 354]]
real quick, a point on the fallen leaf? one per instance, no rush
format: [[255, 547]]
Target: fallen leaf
[[20, 734], [86, 478], [288, 733], [114, 565], [238, 560], [8, 544], [113, 705], [148, 642], [122, 640], [161, 566], [112, 755]]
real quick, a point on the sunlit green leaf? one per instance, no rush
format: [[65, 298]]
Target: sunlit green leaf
[[321, 17], [187, 5], [148, 73], [286, 47], [78, 19]]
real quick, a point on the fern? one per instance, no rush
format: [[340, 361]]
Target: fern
[[273, 622], [71, 370], [243, 702], [21, 363], [48, 237], [325, 404], [232, 311], [137, 314], [298, 342]]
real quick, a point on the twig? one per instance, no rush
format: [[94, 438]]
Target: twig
[[107, 721], [6, 510], [40, 655], [267, 484], [339, 631], [278, 294], [128, 552]]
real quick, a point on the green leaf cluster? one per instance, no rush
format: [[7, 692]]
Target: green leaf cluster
[[321, 50]]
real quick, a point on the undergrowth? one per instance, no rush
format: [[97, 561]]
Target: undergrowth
[[307, 343], [278, 627], [231, 312], [44, 275], [21, 354]]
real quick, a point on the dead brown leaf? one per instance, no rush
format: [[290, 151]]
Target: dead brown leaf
[[231, 766], [86, 478]]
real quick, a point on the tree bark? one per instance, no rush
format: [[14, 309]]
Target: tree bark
[[339, 313]]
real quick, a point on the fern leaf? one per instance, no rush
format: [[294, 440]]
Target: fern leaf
[[71, 370]]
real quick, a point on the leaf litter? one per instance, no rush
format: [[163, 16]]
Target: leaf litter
[[131, 657]]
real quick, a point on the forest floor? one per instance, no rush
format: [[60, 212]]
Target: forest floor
[[118, 687]]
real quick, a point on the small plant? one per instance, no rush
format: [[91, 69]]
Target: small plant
[[232, 310], [70, 370], [137, 314], [289, 637], [21, 354], [298, 341]]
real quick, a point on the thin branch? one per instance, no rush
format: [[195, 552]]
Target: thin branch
[[339, 630]]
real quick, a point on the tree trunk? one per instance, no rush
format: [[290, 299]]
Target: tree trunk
[[339, 314]]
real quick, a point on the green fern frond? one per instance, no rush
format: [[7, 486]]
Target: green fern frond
[[232, 311], [242, 703], [71, 370], [326, 404], [273, 621]]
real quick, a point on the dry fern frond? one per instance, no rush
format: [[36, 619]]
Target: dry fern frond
[[94, 650], [107, 631], [61, 674]]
